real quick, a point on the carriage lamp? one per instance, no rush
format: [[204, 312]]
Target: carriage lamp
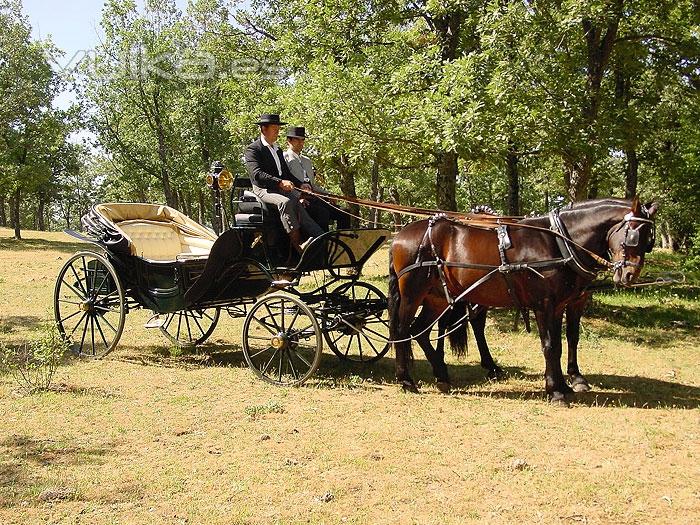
[[219, 178]]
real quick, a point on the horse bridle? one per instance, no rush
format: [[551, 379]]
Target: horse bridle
[[631, 238]]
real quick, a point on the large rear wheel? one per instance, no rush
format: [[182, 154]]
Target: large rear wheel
[[282, 341], [89, 304]]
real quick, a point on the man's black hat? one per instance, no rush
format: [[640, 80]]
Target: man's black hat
[[270, 118], [297, 132]]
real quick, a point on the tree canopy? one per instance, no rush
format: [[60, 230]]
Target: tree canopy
[[517, 104]]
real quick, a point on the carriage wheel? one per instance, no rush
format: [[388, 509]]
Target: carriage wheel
[[360, 332], [190, 327], [282, 341], [89, 304]]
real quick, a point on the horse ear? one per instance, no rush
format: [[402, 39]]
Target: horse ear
[[652, 208], [636, 205]]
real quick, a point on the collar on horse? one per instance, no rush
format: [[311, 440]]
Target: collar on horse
[[564, 243]]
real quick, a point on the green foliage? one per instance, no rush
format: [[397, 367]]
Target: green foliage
[[34, 364], [692, 263], [539, 102], [271, 407]]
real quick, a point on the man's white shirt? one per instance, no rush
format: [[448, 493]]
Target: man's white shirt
[[273, 149]]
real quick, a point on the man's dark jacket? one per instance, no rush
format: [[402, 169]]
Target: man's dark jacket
[[262, 168]]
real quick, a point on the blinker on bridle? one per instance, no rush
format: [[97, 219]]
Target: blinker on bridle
[[631, 238]]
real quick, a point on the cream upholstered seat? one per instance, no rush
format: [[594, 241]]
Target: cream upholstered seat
[[158, 233]]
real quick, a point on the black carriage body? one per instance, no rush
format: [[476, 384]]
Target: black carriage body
[[187, 285], [163, 286]]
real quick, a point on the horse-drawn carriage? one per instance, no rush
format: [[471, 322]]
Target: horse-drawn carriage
[[153, 257]]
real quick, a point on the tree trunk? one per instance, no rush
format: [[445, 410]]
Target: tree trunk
[[41, 212], [513, 181], [577, 177], [446, 181], [593, 187], [631, 173], [14, 213], [376, 191], [599, 47], [200, 199], [347, 183], [3, 216], [396, 199]]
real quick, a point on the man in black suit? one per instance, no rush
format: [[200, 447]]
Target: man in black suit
[[274, 184]]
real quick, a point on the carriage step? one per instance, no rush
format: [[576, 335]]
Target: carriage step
[[156, 321]]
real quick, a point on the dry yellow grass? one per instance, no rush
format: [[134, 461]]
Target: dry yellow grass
[[141, 437]]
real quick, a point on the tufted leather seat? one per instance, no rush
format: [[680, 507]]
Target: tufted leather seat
[[158, 232], [162, 241]]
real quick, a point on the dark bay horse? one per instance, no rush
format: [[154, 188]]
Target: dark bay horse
[[541, 263]]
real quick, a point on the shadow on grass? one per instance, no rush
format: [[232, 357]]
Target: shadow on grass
[[8, 243], [611, 391], [184, 358], [467, 379], [31, 322], [24, 457]]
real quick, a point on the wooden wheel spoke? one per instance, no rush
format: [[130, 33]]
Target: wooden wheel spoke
[[69, 302], [370, 342], [82, 295], [97, 289], [277, 326], [104, 318], [201, 330], [187, 323], [347, 348], [301, 358], [264, 370], [291, 365], [78, 280], [92, 334], [256, 354], [99, 328], [64, 319], [294, 320], [179, 325], [77, 325], [265, 326], [302, 332]]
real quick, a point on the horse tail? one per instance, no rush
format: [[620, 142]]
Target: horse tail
[[458, 337], [394, 306]]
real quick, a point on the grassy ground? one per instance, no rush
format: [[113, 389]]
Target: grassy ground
[[147, 436]]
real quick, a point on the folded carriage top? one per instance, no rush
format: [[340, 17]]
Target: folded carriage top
[[151, 231]]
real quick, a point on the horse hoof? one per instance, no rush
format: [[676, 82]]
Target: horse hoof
[[559, 399], [495, 374], [409, 386], [580, 386], [443, 387]]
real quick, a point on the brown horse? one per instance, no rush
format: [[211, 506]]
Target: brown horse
[[539, 263]]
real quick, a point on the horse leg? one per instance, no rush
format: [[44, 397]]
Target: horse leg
[[549, 324], [435, 356], [574, 311], [478, 322], [401, 312]]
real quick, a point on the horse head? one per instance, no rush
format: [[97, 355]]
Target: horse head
[[630, 240]]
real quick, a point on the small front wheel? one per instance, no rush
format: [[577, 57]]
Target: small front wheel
[[89, 304], [282, 341], [356, 325]]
